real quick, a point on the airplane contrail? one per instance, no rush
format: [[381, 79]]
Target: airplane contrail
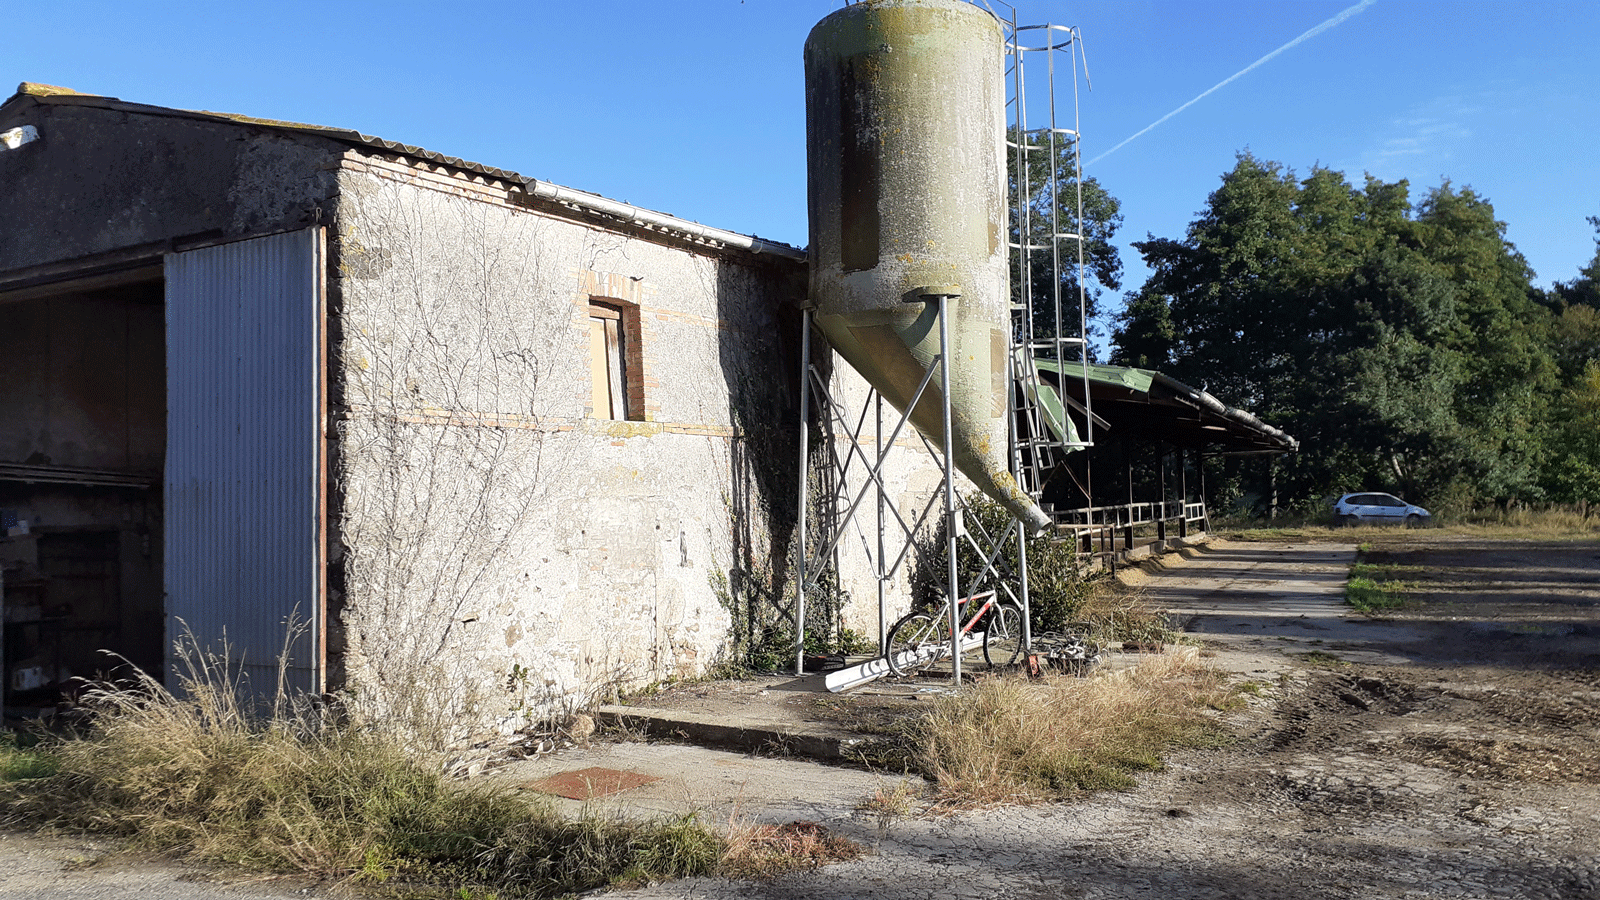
[[1304, 37]]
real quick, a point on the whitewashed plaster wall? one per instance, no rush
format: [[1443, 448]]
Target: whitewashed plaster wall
[[506, 556]]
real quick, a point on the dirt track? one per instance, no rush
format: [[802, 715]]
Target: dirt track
[[1451, 749]]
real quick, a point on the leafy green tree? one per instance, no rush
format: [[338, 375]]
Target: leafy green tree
[[1573, 472], [1575, 329], [1402, 344], [1585, 289], [1575, 340], [1147, 337]]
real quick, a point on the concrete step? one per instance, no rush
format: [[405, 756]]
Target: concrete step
[[747, 733]]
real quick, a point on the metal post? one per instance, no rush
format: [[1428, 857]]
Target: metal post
[[1161, 529], [1183, 488], [950, 526], [1127, 458], [1016, 472], [805, 478], [1022, 578], [877, 443]]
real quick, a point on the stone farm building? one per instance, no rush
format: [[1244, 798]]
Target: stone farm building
[[482, 439]]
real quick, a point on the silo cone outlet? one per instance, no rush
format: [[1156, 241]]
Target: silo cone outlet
[[893, 349], [905, 133]]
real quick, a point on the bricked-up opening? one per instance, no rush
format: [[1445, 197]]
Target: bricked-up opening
[[615, 361]]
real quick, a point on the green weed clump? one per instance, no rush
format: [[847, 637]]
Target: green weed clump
[[1373, 587], [1369, 596], [202, 776], [21, 759], [1011, 739]]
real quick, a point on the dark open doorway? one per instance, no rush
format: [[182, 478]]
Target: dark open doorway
[[82, 445]]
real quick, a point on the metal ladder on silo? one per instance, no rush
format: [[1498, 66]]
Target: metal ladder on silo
[[1044, 432]]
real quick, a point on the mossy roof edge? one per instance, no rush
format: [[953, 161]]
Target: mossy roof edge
[[63, 96]]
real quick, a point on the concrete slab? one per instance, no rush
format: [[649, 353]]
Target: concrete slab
[[720, 786], [755, 729]]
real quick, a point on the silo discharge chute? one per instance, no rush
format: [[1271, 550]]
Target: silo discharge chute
[[905, 108]]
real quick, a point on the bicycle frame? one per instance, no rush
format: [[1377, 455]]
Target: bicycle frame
[[989, 603], [927, 636]]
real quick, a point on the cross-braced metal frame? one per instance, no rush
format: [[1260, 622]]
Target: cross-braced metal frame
[[847, 449]]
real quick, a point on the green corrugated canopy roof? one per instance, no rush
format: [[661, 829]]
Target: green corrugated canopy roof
[[1145, 404]]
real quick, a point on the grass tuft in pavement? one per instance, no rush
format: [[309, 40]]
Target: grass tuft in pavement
[[1015, 740]]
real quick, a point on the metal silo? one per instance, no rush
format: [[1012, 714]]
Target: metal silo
[[905, 112]]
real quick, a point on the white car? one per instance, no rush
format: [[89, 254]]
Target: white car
[[1378, 509]]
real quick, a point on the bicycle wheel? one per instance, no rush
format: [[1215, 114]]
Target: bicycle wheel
[[1002, 637], [914, 643]]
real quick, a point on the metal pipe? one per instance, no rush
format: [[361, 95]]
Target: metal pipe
[[1022, 578], [1012, 397], [877, 446]]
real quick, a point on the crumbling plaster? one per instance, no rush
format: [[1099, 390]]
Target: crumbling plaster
[[494, 536]]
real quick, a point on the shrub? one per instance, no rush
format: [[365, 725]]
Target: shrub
[[1058, 587]]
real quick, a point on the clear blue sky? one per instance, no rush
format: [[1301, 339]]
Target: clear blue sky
[[696, 107]]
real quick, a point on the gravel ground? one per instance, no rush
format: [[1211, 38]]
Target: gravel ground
[[1448, 750]]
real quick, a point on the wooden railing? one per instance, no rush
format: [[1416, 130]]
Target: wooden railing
[[1099, 530]]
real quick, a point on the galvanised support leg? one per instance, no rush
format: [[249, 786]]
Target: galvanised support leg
[[805, 478], [1183, 488], [877, 440], [1022, 578], [952, 536]]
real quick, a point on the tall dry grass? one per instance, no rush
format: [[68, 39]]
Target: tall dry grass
[[1544, 521], [209, 775], [1116, 613], [1014, 740]]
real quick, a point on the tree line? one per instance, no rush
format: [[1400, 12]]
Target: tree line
[[1402, 341]]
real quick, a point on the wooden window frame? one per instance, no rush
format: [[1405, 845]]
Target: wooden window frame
[[616, 385]]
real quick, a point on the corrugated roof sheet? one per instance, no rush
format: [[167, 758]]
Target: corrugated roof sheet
[[1149, 400]]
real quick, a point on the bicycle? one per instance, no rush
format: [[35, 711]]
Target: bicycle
[[921, 638]]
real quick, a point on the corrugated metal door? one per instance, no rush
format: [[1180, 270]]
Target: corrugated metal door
[[244, 484]]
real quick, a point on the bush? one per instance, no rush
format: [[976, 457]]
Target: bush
[[1057, 585]]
